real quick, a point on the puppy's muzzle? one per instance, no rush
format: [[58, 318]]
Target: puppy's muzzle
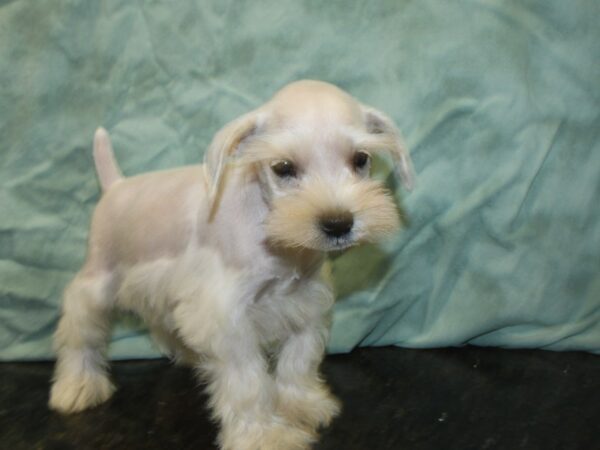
[[337, 225]]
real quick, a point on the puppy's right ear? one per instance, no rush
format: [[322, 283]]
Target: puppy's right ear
[[226, 145]]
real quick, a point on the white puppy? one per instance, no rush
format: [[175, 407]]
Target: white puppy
[[223, 261]]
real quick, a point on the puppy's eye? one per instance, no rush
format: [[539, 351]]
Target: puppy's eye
[[284, 169], [360, 160]]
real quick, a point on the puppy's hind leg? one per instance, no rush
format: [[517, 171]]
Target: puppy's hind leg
[[80, 378]]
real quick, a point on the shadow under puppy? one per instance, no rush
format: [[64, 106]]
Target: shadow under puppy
[[222, 261]]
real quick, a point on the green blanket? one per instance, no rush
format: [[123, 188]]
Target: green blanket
[[499, 101]]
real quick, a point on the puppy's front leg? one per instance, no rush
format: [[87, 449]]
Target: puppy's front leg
[[241, 389], [302, 395]]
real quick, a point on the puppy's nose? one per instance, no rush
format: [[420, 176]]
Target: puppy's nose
[[337, 224]]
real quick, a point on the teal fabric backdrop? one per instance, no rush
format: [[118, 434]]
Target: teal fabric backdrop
[[499, 101]]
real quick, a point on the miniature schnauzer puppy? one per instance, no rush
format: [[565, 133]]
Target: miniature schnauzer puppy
[[223, 261]]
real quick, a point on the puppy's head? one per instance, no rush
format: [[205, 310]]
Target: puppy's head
[[311, 146]]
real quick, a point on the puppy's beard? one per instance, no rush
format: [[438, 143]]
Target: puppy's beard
[[332, 244], [294, 218]]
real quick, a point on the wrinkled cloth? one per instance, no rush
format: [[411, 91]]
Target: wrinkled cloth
[[499, 102]]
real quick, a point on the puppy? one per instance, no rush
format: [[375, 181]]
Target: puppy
[[223, 261]]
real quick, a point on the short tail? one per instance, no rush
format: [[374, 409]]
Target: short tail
[[104, 158]]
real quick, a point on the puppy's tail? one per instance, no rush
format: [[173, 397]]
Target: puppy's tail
[[104, 158]]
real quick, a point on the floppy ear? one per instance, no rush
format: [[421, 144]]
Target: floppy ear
[[378, 123], [225, 145]]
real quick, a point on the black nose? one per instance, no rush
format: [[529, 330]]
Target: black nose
[[337, 224]]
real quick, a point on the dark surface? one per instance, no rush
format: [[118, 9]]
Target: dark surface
[[468, 398]]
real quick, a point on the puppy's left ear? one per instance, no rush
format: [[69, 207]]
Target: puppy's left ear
[[225, 145], [377, 122]]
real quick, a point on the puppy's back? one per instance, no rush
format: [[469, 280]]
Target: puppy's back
[[146, 217]]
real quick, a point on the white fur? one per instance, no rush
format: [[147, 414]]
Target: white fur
[[223, 262]]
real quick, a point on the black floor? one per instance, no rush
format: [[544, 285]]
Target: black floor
[[451, 399]]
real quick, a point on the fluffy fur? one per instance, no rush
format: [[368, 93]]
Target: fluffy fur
[[223, 262]]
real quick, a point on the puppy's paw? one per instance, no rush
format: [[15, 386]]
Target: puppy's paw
[[286, 437], [74, 394], [274, 436], [311, 408], [325, 409]]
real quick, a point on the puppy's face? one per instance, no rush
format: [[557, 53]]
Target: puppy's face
[[312, 147], [316, 181]]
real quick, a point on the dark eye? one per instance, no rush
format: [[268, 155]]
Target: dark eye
[[284, 169], [360, 160]]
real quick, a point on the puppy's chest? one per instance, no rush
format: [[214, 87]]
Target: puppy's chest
[[287, 304]]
